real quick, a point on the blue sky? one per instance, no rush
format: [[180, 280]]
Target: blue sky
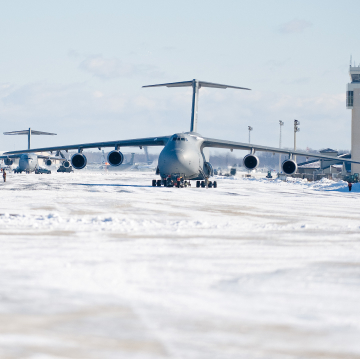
[[76, 68]]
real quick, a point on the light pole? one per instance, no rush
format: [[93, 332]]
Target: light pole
[[296, 129], [281, 123], [250, 129]]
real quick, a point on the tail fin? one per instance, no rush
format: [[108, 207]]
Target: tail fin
[[196, 85], [131, 162], [147, 155], [28, 133]]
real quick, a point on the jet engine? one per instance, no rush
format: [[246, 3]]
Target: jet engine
[[251, 161], [8, 161], [78, 161], [66, 164], [115, 158], [289, 166], [48, 162]]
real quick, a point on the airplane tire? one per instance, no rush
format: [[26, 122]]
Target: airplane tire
[[154, 183], [203, 184], [210, 184], [215, 184], [158, 183], [198, 183]]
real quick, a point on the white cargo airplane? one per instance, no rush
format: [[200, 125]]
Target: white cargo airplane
[[183, 157], [28, 161]]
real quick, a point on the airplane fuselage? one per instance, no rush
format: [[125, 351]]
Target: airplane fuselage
[[27, 163], [183, 156]]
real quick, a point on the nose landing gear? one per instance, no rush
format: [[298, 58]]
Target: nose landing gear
[[179, 182], [169, 182]]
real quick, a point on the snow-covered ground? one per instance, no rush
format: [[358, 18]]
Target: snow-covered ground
[[104, 265]]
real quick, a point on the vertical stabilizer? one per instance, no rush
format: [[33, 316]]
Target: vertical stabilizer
[[196, 85], [28, 133], [29, 139], [131, 162], [147, 155], [194, 108]]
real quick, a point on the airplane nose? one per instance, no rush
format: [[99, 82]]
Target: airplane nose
[[23, 164], [176, 161]]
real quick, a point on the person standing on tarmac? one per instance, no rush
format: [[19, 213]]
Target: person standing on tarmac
[[4, 175], [349, 185]]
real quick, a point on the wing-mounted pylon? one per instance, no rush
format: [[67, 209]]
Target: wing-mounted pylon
[[196, 85]]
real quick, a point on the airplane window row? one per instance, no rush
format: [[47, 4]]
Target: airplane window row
[[178, 139]]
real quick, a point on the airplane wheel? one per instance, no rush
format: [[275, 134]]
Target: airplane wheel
[[158, 183], [198, 184], [210, 184], [154, 183], [203, 184], [215, 184]]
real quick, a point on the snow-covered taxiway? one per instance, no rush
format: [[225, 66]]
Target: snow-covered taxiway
[[104, 265]]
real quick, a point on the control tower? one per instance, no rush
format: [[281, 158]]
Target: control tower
[[353, 103]]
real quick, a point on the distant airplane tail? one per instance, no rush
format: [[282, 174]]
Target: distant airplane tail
[[131, 162], [103, 158], [147, 155], [28, 133]]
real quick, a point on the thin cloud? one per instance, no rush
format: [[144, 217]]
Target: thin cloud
[[115, 68], [79, 112], [295, 26]]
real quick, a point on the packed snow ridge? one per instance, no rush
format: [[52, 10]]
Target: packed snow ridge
[[104, 265]]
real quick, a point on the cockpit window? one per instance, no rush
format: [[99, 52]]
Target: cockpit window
[[179, 139]]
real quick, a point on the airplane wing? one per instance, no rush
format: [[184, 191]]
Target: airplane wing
[[50, 157], [153, 141], [9, 156], [223, 144]]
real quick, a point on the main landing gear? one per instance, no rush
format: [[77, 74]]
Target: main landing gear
[[180, 183], [206, 183]]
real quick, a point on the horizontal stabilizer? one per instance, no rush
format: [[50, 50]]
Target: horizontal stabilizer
[[26, 132], [201, 84]]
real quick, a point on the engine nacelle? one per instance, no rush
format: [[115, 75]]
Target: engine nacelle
[[8, 161], [66, 164], [289, 166], [78, 161], [115, 158], [48, 162], [251, 161]]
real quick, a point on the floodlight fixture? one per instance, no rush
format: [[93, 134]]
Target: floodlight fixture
[[281, 123], [296, 129], [250, 129]]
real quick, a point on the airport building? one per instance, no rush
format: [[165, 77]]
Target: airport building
[[353, 103]]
